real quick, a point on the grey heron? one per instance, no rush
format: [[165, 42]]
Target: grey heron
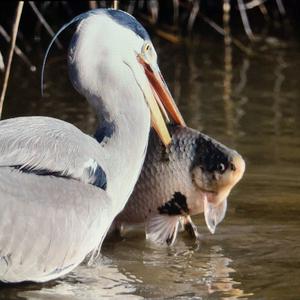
[[60, 189]]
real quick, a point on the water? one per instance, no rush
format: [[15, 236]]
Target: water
[[249, 103]]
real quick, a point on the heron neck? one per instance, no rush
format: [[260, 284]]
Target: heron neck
[[123, 137], [124, 118]]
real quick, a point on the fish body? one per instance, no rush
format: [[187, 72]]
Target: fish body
[[194, 174]]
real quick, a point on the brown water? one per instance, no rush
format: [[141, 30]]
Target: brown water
[[251, 104]]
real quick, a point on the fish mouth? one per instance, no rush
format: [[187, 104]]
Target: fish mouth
[[210, 195]]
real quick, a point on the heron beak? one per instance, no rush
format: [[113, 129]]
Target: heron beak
[[160, 102]]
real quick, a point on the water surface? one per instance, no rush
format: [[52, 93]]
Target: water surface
[[249, 103]]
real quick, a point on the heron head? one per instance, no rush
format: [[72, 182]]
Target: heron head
[[111, 50]]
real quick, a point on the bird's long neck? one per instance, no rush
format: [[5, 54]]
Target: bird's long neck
[[123, 138], [110, 86]]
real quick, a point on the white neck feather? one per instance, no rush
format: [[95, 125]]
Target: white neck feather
[[109, 85], [126, 147]]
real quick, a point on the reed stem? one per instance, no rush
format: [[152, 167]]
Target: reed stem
[[11, 52]]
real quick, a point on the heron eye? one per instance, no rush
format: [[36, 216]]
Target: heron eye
[[148, 53], [146, 48], [221, 167]]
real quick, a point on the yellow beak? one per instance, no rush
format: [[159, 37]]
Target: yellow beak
[[160, 102]]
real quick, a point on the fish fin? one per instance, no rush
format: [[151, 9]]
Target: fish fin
[[191, 228], [162, 229], [181, 226], [214, 214]]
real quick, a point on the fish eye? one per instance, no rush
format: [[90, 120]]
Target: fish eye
[[221, 167]]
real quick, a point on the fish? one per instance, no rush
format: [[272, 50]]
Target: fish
[[193, 175]]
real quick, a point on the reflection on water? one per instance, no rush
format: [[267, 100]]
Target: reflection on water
[[250, 103], [144, 272], [185, 270], [86, 283]]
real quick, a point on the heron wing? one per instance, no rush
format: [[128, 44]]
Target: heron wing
[[50, 146], [48, 224]]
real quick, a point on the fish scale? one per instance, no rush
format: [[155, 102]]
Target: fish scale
[[164, 172], [172, 174]]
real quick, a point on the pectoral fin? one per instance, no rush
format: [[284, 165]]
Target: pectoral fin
[[162, 229], [214, 214], [191, 228]]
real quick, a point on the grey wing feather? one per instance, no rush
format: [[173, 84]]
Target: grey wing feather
[[48, 224], [42, 143]]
